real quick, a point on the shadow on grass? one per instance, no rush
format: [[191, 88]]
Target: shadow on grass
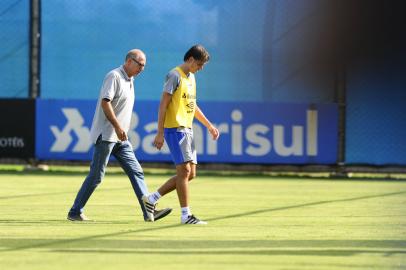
[[15, 244], [308, 204], [8, 222], [218, 174], [244, 252], [219, 247], [33, 195]]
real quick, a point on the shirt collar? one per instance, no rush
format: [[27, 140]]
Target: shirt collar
[[125, 73], [187, 75]]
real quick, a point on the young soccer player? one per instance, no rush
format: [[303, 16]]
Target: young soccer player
[[177, 110]]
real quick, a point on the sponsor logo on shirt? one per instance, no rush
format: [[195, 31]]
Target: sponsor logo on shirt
[[188, 96], [191, 106]]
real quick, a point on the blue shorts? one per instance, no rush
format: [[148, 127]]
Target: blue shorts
[[181, 144]]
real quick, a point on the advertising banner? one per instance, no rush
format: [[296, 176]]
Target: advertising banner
[[17, 128], [262, 133]]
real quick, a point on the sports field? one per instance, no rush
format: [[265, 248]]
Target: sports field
[[255, 222]]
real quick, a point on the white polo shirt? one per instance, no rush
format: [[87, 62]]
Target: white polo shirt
[[118, 88]]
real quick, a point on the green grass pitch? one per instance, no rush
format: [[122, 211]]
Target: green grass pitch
[[255, 222]]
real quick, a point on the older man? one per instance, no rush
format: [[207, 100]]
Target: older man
[[111, 123]]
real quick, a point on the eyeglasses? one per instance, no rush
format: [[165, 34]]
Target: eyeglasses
[[140, 64]]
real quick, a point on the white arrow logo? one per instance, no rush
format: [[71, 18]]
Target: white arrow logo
[[63, 137]]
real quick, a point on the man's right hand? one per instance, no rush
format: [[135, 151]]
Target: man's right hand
[[159, 140], [122, 136]]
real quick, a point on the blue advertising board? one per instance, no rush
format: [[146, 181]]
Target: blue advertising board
[[261, 133]]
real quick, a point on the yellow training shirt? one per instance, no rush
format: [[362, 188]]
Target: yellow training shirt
[[181, 109]]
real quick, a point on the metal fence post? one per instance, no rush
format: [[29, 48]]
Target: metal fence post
[[35, 42]]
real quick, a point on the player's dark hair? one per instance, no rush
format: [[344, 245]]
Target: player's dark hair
[[198, 52]]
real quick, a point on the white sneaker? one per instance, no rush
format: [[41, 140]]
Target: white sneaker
[[149, 207], [193, 220]]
